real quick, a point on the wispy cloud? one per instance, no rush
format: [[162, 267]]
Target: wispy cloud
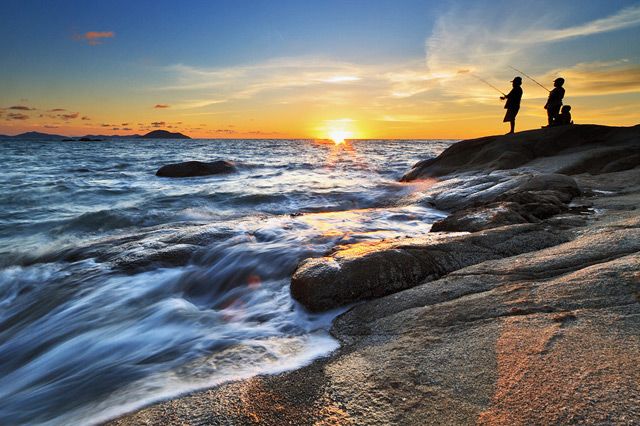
[[94, 37], [295, 81], [625, 18], [21, 108], [17, 116], [70, 116], [158, 124], [161, 106]]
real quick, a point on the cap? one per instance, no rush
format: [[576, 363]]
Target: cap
[[516, 80], [560, 79]]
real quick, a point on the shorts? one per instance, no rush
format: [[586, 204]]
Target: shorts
[[510, 115]]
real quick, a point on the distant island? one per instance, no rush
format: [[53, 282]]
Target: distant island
[[155, 134], [164, 134]]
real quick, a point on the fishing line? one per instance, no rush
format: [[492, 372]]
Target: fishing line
[[529, 77], [482, 80]]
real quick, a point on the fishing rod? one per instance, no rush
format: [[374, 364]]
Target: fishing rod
[[482, 80], [489, 84], [529, 77]]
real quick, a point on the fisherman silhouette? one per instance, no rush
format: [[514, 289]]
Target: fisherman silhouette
[[554, 102], [564, 118], [513, 103]]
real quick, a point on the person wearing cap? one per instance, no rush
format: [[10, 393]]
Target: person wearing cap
[[513, 103], [554, 102]]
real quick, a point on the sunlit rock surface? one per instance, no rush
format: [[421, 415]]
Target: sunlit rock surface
[[367, 270]]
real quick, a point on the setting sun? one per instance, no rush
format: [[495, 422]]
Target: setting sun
[[339, 130], [338, 136]]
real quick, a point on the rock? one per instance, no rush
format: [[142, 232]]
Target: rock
[[496, 200], [196, 168], [481, 218], [163, 134], [581, 148], [565, 186], [367, 270]]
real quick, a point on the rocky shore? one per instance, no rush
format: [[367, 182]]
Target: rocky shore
[[522, 307]]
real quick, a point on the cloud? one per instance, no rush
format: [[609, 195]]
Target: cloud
[[625, 18], [159, 106], [600, 78], [85, 118], [70, 116], [17, 116], [21, 108], [48, 126], [106, 125], [93, 38], [57, 110], [158, 124]]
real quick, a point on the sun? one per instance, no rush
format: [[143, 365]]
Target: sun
[[338, 136], [339, 130]]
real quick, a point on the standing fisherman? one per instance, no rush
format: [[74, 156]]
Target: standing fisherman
[[555, 100], [513, 103]]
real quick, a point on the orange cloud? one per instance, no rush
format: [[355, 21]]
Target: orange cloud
[[161, 106], [94, 37], [21, 108]]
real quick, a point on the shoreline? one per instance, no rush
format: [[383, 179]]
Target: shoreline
[[535, 321]]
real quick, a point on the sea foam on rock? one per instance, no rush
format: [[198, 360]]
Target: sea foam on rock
[[196, 168]]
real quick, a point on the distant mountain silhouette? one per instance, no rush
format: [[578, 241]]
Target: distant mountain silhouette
[[136, 136], [156, 134], [163, 134], [38, 136]]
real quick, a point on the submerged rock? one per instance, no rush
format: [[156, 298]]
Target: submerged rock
[[196, 168]]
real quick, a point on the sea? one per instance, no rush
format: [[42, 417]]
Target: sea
[[119, 288]]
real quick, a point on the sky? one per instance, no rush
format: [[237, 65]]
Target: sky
[[311, 69]]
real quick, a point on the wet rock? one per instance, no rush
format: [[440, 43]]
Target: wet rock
[[368, 270], [174, 255], [524, 199], [196, 168], [478, 219]]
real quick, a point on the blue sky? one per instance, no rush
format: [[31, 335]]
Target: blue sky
[[161, 52]]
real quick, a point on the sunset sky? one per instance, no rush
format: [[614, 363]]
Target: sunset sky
[[306, 69]]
